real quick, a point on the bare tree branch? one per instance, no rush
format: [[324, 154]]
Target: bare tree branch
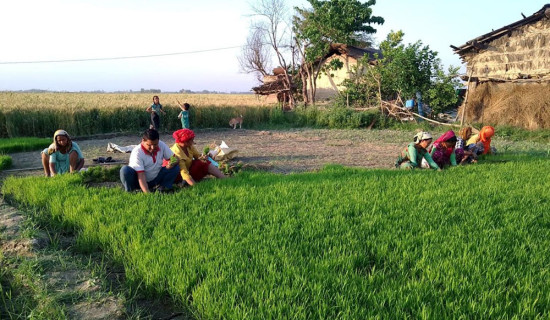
[[255, 56]]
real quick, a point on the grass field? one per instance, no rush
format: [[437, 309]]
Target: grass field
[[83, 114], [469, 242], [23, 144]]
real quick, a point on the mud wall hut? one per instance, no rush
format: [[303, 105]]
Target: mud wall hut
[[329, 84], [508, 74]]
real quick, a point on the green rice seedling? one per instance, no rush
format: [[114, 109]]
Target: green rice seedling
[[23, 144], [5, 162], [468, 242]]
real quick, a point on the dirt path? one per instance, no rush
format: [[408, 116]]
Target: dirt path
[[275, 151], [58, 282]]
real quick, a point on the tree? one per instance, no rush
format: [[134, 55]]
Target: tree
[[327, 22], [442, 95], [403, 70], [269, 30], [255, 56]]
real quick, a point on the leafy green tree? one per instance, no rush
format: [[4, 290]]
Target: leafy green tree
[[442, 94], [403, 70], [327, 22]]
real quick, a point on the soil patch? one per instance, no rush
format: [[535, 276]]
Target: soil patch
[[276, 151]]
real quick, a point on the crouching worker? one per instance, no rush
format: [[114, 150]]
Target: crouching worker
[[411, 157], [62, 156], [481, 143], [145, 170], [443, 150], [193, 166]]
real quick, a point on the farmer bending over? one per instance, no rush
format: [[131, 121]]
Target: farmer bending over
[[413, 153], [443, 150], [145, 168], [62, 156], [481, 143]]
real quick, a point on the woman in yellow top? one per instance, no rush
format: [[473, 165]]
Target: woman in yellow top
[[193, 166]]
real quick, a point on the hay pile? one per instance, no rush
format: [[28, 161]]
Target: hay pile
[[520, 105]]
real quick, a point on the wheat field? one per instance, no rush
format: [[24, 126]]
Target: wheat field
[[78, 101]]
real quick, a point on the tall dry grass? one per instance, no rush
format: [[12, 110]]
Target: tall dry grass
[[40, 114], [79, 101]]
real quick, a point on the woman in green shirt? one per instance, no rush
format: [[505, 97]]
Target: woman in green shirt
[[411, 156]]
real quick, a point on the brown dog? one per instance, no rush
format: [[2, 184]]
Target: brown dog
[[238, 120]]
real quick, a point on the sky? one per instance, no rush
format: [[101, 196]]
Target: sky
[[206, 34]]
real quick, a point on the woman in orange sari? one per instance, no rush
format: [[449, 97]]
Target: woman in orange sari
[[481, 143]]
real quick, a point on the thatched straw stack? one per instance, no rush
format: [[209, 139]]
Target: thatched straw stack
[[521, 105]]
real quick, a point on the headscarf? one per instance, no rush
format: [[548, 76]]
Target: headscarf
[[183, 135], [422, 135], [465, 133], [55, 146], [445, 137], [485, 136]]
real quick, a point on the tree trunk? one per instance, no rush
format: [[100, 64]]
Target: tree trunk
[[303, 76]]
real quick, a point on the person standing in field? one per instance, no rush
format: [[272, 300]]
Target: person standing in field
[[193, 166], [62, 156], [411, 157], [184, 115], [145, 171], [155, 109]]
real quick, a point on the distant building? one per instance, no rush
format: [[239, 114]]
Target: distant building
[[274, 87], [509, 73], [328, 85]]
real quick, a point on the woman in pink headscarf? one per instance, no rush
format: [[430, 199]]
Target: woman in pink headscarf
[[193, 167], [443, 150]]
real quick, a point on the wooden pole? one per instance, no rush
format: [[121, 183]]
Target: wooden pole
[[466, 97]]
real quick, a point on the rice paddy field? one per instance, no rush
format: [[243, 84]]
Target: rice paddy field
[[340, 243], [337, 243]]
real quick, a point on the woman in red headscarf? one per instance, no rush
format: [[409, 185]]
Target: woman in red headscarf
[[192, 165], [443, 149], [481, 143]]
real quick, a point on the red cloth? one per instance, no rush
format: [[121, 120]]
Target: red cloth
[[183, 135], [485, 136], [198, 169]]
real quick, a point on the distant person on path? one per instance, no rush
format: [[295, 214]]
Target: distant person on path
[[193, 166], [155, 109], [419, 105], [411, 157], [443, 150], [409, 104], [145, 170], [481, 143], [62, 156], [184, 115]]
